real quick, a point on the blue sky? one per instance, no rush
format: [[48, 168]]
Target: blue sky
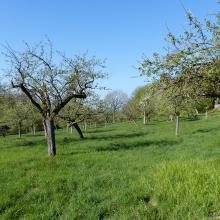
[[118, 30]]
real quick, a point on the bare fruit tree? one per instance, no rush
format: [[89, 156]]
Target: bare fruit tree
[[115, 100], [50, 80]]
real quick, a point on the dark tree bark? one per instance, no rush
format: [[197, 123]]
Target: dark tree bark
[[50, 137], [76, 126]]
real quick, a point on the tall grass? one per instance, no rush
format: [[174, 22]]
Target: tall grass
[[186, 189]]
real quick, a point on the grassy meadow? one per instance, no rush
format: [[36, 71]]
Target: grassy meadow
[[123, 171]]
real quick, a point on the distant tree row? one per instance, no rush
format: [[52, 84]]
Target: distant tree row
[[18, 115]]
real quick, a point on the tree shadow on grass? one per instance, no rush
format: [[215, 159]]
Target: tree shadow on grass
[[95, 131], [75, 153], [206, 130], [36, 135], [117, 136], [68, 140], [24, 143], [127, 146]]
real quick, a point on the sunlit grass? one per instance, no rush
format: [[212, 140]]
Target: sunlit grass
[[123, 171]]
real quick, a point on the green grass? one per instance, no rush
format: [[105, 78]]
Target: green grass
[[124, 171]]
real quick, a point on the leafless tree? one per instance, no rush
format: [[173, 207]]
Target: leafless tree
[[51, 79], [115, 100]]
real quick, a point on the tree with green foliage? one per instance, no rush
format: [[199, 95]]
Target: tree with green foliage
[[143, 102], [74, 113], [17, 113], [131, 110], [147, 102], [5, 99], [34, 118], [190, 66]]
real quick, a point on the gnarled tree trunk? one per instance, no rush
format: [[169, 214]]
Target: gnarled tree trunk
[[50, 129]]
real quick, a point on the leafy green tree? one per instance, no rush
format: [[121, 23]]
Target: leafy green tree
[[5, 100], [143, 103], [190, 66], [74, 113], [17, 113], [131, 110], [147, 102], [34, 118]]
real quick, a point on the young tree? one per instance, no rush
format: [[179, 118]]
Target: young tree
[[147, 102], [174, 93], [17, 113], [33, 118], [48, 85]]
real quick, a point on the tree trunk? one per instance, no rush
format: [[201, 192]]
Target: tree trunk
[[33, 129], [76, 126], [171, 117], [50, 137], [19, 130], [45, 128], [113, 117], [206, 114], [196, 110], [85, 125], [71, 129], [144, 117], [177, 124]]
